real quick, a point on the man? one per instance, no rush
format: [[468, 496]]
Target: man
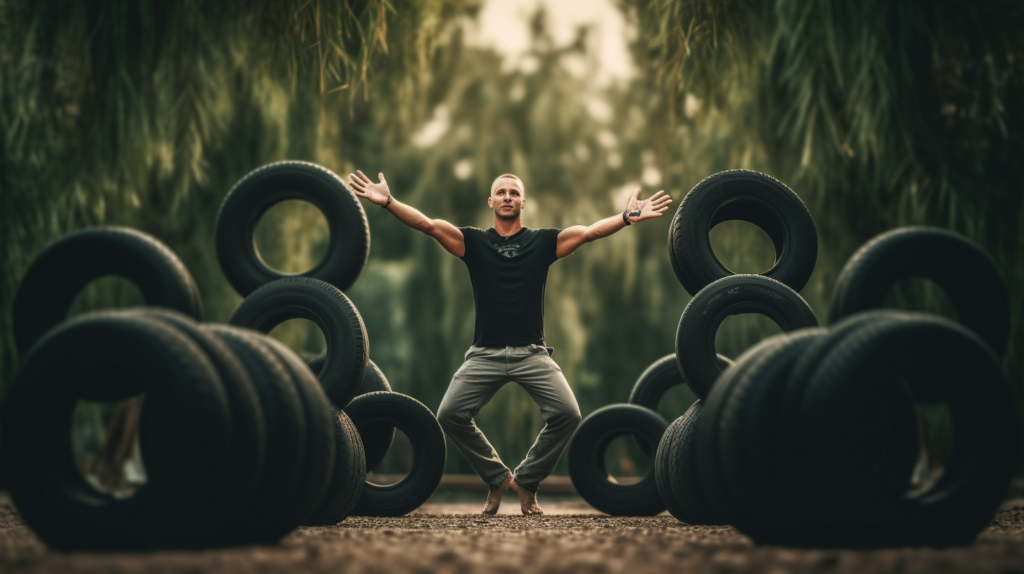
[[508, 266]]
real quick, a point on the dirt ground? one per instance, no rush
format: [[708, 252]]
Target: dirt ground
[[449, 537]]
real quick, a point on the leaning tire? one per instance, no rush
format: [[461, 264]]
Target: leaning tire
[[109, 357], [428, 446], [271, 184], [684, 472], [966, 273], [320, 441], [67, 265], [656, 380], [284, 416], [245, 460], [586, 460], [347, 476], [923, 351], [348, 347], [735, 295], [749, 196], [377, 438]]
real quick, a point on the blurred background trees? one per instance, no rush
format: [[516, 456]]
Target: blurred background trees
[[877, 114]]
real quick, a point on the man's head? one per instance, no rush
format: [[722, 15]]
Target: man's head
[[508, 197]]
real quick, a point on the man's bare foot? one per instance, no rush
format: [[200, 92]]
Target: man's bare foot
[[494, 496], [527, 499]]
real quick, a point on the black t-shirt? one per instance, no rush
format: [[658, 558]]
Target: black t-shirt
[[508, 275]]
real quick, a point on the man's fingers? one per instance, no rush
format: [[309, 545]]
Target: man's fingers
[[656, 195], [363, 177], [380, 176]]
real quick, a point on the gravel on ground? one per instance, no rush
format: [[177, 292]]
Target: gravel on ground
[[450, 537]]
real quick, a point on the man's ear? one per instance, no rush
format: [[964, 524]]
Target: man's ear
[[490, 200]]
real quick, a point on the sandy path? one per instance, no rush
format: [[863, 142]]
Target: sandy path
[[443, 537]]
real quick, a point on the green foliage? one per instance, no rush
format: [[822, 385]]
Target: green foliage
[[877, 114], [145, 113]]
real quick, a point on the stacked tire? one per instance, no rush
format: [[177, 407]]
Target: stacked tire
[[717, 294], [812, 437], [238, 436], [350, 380]]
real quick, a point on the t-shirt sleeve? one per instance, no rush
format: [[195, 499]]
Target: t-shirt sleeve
[[550, 237], [471, 237]]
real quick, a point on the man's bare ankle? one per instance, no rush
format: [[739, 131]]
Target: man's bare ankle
[[494, 495], [527, 499]]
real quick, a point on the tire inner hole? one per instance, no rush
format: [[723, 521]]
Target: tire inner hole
[[105, 445], [397, 463], [292, 236], [737, 333], [302, 336], [935, 446], [675, 402], [108, 292], [624, 462], [742, 247]]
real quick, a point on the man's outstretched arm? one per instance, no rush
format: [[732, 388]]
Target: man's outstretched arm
[[571, 238], [444, 232]]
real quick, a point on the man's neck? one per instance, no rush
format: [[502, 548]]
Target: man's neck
[[506, 228]]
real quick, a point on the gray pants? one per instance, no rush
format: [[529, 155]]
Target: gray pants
[[485, 371]]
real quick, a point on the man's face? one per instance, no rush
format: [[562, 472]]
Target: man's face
[[507, 199]]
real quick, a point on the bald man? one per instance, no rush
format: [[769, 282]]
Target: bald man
[[508, 266]]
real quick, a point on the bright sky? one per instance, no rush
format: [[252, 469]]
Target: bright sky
[[503, 26]]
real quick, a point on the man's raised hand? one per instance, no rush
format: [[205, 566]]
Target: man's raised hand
[[362, 186], [653, 206]]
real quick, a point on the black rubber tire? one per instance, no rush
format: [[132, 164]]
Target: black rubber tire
[[967, 274], [695, 337], [377, 438], [271, 184], [743, 195], [348, 347], [747, 441], [656, 380], [669, 442], [708, 478], [922, 350], [684, 474], [67, 265], [676, 474], [320, 435], [347, 476], [586, 460], [428, 446], [272, 516], [246, 457], [109, 357]]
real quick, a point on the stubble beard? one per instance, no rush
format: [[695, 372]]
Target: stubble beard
[[514, 215]]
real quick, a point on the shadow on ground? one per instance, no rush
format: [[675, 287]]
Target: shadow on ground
[[448, 536]]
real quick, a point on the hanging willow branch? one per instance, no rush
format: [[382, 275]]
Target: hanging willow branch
[[121, 111], [881, 113]]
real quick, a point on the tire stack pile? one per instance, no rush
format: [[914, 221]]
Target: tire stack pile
[[237, 434], [241, 442], [717, 294], [355, 386], [812, 437]]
